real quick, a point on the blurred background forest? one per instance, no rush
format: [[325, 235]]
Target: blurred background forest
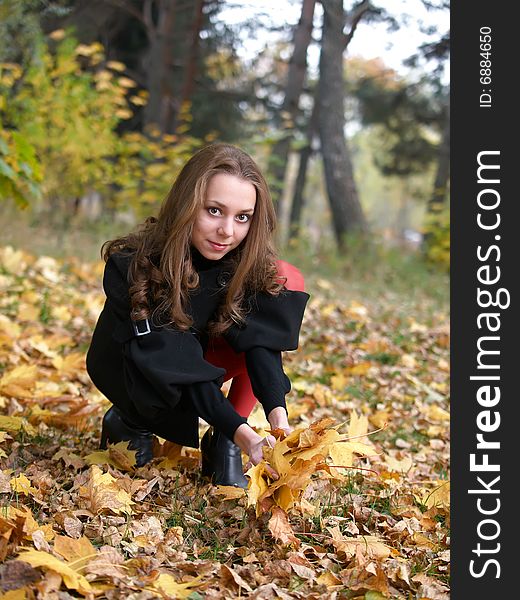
[[102, 101]]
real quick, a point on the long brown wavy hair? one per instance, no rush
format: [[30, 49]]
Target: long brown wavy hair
[[161, 271]]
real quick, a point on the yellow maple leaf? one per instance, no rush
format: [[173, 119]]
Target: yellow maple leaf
[[28, 312], [342, 453], [167, 584], [286, 498], [13, 261], [436, 413], [78, 551], [171, 454], [71, 578], [71, 364], [360, 369], [439, 497], [229, 492], [9, 328], [401, 466], [357, 310], [30, 524], [102, 492], [329, 579], [338, 382], [15, 423], [257, 485], [117, 455], [370, 545], [21, 485], [408, 360], [18, 382], [358, 427], [61, 313], [380, 418]]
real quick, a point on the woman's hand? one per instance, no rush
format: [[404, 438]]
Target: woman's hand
[[256, 453], [278, 420], [252, 444]]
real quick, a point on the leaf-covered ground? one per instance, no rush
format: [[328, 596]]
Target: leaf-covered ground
[[370, 392]]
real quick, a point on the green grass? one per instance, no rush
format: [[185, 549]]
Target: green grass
[[371, 270]]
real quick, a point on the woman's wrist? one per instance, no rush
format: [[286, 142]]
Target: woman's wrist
[[278, 418], [245, 437]]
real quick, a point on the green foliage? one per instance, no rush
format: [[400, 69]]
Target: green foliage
[[410, 115], [20, 172], [372, 270], [147, 164], [437, 237], [69, 114], [60, 117]]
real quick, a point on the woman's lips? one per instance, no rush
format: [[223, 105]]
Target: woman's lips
[[217, 247]]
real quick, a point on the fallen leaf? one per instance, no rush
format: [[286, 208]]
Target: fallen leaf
[[71, 578], [166, 583], [102, 493], [280, 527]]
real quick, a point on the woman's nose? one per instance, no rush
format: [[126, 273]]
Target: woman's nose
[[226, 228]]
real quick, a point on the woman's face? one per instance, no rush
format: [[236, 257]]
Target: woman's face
[[225, 218]]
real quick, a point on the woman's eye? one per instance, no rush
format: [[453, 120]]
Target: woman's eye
[[213, 210], [243, 218]]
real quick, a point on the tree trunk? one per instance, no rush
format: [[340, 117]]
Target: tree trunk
[[439, 195], [190, 71], [159, 64], [347, 214], [295, 77], [442, 176], [298, 200]]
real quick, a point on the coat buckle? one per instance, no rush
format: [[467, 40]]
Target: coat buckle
[[145, 323]]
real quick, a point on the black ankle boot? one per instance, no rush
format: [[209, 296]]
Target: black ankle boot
[[116, 429], [221, 460]]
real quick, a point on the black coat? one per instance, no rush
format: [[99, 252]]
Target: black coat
[[160, 379]]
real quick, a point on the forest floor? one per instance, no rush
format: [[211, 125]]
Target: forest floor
[[362, 507]]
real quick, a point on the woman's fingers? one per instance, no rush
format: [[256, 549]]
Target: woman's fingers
[[257, 455]]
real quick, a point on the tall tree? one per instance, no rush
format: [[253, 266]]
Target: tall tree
[[169, 49], [293, 88], [172, 28], [347, 213]]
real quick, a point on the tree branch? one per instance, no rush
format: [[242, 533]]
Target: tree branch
[[356, 14], [126, 6]]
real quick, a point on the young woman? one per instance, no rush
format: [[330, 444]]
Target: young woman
[[196, 297]]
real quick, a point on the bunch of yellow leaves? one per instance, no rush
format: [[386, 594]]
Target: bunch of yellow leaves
[[301, 454]]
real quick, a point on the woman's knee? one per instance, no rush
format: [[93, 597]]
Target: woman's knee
[[294, 276]]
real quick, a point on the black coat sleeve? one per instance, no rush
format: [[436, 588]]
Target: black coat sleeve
[[272, 322], [269, 382], [272, 325]]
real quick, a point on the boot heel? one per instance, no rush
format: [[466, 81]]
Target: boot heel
[[221, 460], [206, 469], [115, 429], [104, 435], [104, 440]]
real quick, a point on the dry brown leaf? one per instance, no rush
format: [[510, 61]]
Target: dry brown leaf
[[368, 545], [117, 455], [103, 492], [231, 579], [280, 527]]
